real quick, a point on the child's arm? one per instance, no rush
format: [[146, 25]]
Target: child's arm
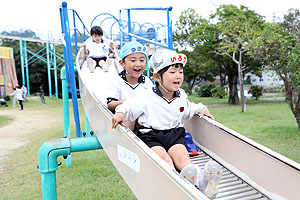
[[205, 112], [85, 49], [110, 42], [113, 104], [199, 108]]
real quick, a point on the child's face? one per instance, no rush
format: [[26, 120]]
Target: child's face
[[134, 64], [172, 79], [97, 38]]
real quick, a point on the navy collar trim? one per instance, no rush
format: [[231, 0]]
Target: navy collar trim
[[100, 41], [158, 92], [141, 79]]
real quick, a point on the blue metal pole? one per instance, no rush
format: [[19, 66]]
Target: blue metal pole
[[170, 35], [121, 32], [64, 47], [129, 25], [75, 33], [70, 66]]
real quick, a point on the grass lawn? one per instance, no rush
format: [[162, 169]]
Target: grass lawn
[[4, 120], [270, 123], [92, 175]]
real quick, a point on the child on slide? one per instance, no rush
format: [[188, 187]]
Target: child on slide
[[159, 111], [131, 80], [97, 48]]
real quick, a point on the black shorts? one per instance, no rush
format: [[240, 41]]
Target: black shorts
[[97, 59], [165, 138]]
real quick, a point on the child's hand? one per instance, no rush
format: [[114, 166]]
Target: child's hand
[[117, 118], [111, 46], [84, 49], [205, 112]]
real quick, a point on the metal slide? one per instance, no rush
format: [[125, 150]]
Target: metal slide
[[251, 171]]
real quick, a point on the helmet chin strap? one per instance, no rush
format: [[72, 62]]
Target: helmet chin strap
[[159, 84], [128, 73]]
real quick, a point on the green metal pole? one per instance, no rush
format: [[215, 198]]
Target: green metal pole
[[26, 67], [49, 185], [85, 144], [49, 70], [55, 70], [65, 97], [87, 124], [49, 153], [48, 164], [12, 53], [22, 60]]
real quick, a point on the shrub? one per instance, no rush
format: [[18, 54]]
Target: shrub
[[185, 87], [219, 92], [205, 90], [256, 91]]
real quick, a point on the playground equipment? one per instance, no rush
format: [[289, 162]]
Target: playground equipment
[[250, 171], [8, 76], [47, 54]]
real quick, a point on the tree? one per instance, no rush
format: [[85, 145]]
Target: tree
[[256, 91], [218, 92], [188, 19], [225, 32], [277, 47], [199, 66], [237, 26]]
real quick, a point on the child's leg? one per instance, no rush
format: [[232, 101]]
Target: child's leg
[[21, 104], [181, 159], [91, 64], [180, 156], [163, 154], [130, 124]]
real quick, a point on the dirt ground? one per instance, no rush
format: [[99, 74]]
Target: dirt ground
[[13, 135]]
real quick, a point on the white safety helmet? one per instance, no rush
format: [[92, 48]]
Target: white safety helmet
[[165, 58]]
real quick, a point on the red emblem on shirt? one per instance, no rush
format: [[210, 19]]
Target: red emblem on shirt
[[181, 109]]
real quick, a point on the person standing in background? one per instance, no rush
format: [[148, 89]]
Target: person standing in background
[[42, 95], [19, 95], [14, 95], [24, 92]]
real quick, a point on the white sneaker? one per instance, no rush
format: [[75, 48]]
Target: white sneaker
[[91, 64], [209, 179], [107, 64], [190, 173]]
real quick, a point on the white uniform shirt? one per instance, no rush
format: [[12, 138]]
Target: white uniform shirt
[[98, 49], [19, 94], [24, 90], [156, 112], [119, 88]]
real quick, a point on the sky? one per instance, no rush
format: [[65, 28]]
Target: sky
[[43, 15]]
